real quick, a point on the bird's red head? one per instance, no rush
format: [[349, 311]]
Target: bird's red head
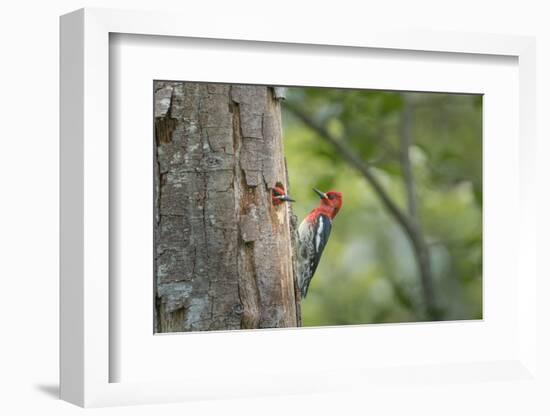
[[331, 201], [278, 196]]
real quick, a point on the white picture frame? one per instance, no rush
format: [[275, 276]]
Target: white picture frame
[[86, 356]]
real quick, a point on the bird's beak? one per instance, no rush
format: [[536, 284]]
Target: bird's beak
[[285, 198], [322, 195]]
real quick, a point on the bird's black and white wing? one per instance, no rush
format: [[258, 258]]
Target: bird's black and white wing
[[313, 239]]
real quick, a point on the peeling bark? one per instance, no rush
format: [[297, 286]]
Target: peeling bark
[[223, 252]]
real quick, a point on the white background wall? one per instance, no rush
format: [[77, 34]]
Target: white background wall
[[29, 56]]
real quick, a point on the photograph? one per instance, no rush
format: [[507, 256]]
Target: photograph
[[290, 206]]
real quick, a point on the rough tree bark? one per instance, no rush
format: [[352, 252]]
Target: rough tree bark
[[223, 251]]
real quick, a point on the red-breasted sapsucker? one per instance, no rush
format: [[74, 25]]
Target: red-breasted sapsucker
[[313, 235], [278, 196]]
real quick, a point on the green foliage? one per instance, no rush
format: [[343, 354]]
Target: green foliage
[[368, 273]]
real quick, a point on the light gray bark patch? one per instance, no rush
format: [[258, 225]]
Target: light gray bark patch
[[197, 312], [221, 89], [253, 177], [252, 120], [270, 168], [251, 156], [175, 295], [249, 94], [249, 227], [220, 180], [220, 139], [175, 254], [214, 112], [178, 186], [163, 98]]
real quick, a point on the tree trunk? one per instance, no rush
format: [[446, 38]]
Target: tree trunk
[[223, 251]]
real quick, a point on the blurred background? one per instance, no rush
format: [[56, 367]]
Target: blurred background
[[407, 244]]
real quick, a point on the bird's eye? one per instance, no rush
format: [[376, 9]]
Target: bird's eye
[[330, 196]]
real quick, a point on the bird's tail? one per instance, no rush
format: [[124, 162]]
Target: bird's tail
[[304, 285]]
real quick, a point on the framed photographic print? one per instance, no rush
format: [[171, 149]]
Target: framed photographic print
[[231, 254], [260, 214]]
